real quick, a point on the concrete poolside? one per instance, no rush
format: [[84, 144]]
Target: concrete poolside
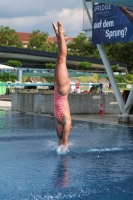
[[5, 105], [105, 118]]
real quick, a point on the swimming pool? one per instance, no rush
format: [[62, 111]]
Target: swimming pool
[[98, 166]]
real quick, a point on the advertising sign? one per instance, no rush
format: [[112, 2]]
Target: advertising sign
[[111, 24]]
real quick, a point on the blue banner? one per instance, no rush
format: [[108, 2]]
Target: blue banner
[[111, 24], [116, 2]]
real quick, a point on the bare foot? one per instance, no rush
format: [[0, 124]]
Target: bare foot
[[55, 28], [61, 30]]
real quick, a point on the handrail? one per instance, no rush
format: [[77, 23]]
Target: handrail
[[51, 84], [46, 84]]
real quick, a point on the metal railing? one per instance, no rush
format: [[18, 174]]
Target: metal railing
[[9, 88]]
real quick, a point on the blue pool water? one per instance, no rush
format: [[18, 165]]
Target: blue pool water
[[98, 166]]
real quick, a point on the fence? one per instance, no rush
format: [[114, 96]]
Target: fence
[[50, 73], [122, 85], [7, 88]]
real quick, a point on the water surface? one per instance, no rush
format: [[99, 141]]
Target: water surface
[[98, 166]]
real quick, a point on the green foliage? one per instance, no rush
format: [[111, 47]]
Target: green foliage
[[49, 79], [84, 65], [7, 77], [122, 52], [9, 37], [82, 46], [51, 47], [24, 79], [14, 63], [128, 78], [114, 67], [96, 77], [93, 79], [37, 40], [120, 79], [50, 65]]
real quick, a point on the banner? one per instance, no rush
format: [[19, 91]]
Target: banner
[[116, 2], [111, 24]]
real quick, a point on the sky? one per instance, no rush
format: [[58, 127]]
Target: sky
[[29, 15]]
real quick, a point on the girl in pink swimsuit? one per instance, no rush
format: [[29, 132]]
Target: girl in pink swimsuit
[[59, 109], [61, 88]]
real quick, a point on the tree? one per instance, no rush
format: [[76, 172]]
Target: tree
[[84, 65], [51, 47], [122, 52], [38, 40], [14, 63], [9, 37], [82, 46], [7, 77]]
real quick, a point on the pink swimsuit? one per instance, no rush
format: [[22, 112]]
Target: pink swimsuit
[[59, 109]]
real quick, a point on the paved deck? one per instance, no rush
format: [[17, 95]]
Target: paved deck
[[105, 118], [5, 105]]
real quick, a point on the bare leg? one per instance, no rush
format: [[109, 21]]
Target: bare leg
[[56, 32], [57, 36], [61, 73]]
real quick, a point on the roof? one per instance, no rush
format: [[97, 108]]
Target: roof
[[5, 67], [24, 37], [54, 39], [42, 56]]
